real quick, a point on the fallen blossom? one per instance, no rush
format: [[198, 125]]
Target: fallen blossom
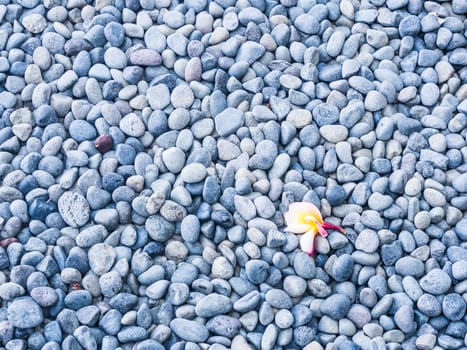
[[305, 218]]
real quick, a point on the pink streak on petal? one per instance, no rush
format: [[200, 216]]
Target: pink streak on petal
[[307, 243], [327, 225], [322, 231]]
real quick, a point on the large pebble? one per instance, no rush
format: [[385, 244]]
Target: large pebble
[[74, 209], [101, 258], [229, 121], [212, 305], [436, 282], [194, 172], [132, 125], [336, 306], [24, 313], [224, 325], [189, 330]]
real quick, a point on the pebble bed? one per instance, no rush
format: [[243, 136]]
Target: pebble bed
[[149, 148]]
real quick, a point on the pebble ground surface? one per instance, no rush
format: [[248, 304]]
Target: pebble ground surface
[[149, 148]]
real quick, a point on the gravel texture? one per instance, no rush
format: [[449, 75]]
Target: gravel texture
[[149, 148]]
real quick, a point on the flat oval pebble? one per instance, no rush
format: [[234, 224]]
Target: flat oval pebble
[[192, 173], [212, 305], [333, 133], [277, 298], [146, 57], [189, 330]]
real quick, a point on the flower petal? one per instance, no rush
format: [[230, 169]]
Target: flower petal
[[307, 243], [294, 217], [298, 228], [322, 231], [306, 208]]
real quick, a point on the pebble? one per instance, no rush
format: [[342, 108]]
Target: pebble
[[11, 290], [436, 282], [453, 307], [101, 258], [304, 266], [81, 130], [460, 183], [299, 118], [193, 173], [410, 266], [228, 121], [257, 271], [182, 97], [146, 57], [190, 228], [24, 313], [404, 319], [189, 330], [223, 325], [426, 341], [212, 305], [44, 296], [174, 159], [35, 23], [74, 209], [307, 24], [429, 94], [429, 305], [221, 268], [132, 125], [342, 268], [277, 298], [333, 133], [375, 101], [335, 306], [367, 241]]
